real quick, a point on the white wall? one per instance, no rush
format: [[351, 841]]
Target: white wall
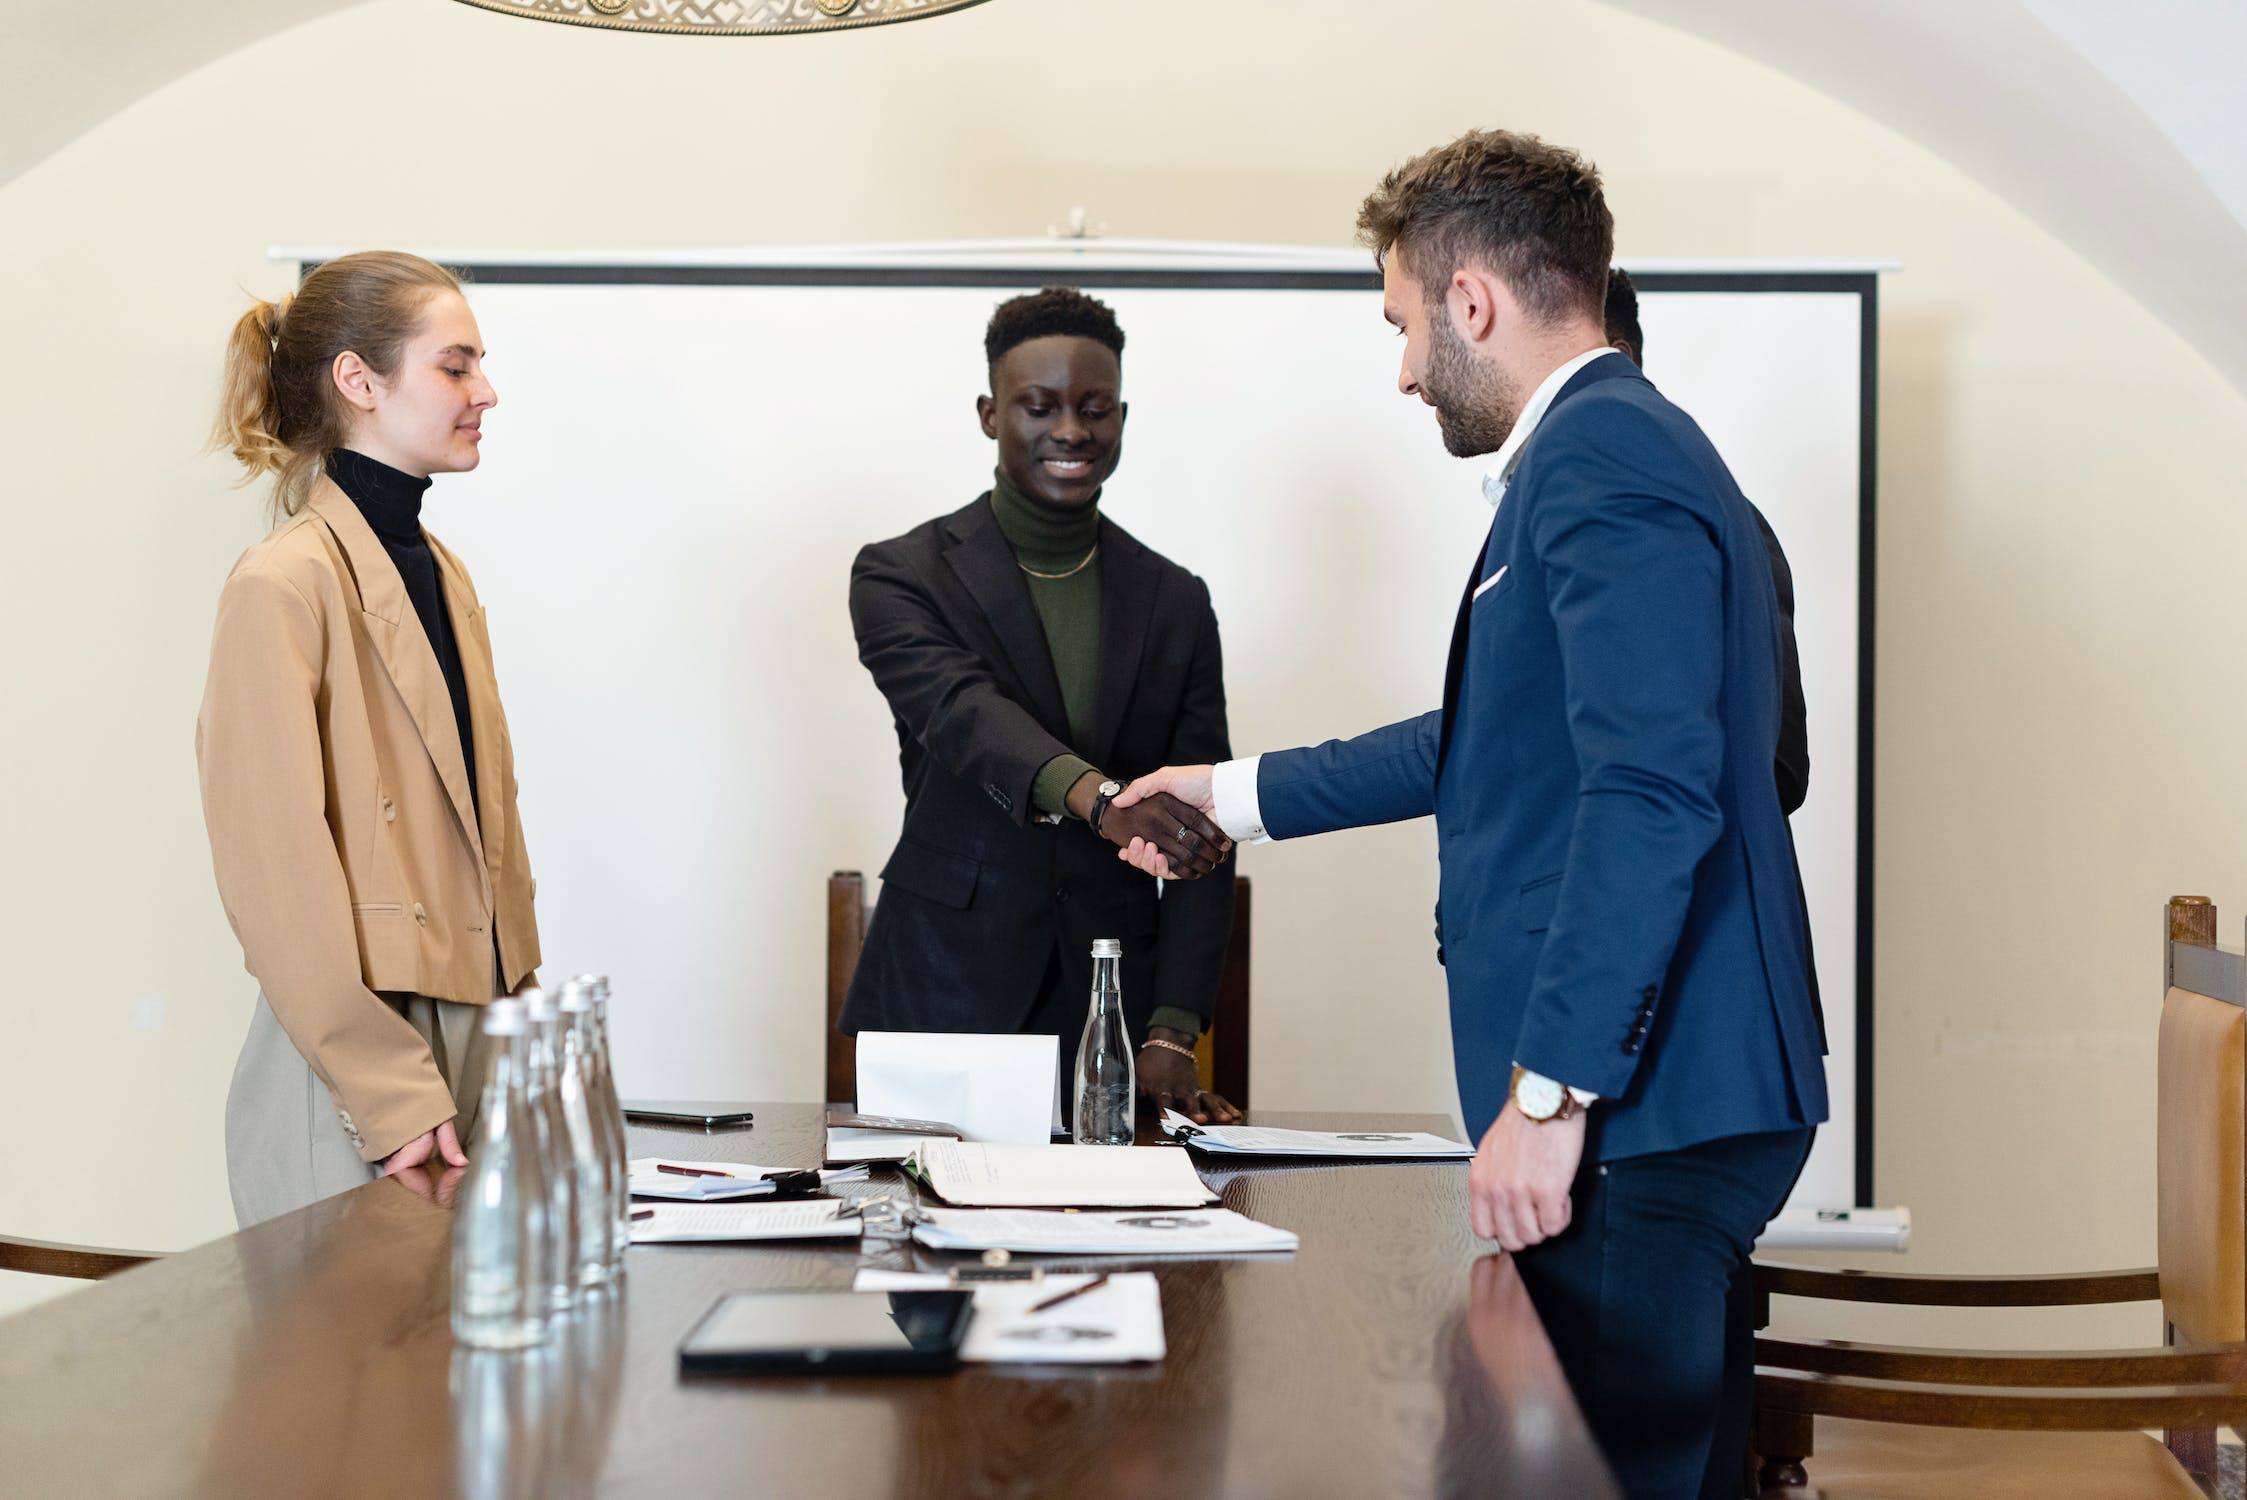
[[2060, 497]]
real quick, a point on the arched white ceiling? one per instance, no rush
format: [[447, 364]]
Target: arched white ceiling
[[67, 67], [2114, 127], [2119, 128]]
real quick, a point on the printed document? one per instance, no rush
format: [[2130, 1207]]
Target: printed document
[[976, 1175], [1360, 1145], [1196, 1231], [800, 1219]]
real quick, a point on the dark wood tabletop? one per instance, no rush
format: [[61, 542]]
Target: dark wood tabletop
[[312, 1357]]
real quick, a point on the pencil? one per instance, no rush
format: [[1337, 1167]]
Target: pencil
[[1093, 1285]]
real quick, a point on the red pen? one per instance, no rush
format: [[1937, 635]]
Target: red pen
[[664, 1166]]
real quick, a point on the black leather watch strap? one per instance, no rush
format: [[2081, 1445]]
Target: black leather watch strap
[[1100, 801]]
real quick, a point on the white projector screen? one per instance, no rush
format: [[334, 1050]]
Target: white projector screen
[[686, 457]]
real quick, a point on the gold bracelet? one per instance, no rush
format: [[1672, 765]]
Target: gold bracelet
[[1177, 1047]]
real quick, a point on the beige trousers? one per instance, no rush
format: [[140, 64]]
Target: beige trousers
[[285, 1143]]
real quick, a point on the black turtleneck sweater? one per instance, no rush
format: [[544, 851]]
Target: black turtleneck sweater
[[390, 499]]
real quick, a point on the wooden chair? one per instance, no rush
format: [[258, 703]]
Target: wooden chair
[[1221, 1056], [85, 1262], [1889, 1423]]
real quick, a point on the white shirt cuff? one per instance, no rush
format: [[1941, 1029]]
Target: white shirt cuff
[[1232, 790], [1584, 1098]]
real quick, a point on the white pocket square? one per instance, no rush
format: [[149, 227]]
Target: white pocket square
[[1489, 583]]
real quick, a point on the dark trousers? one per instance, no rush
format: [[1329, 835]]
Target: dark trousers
[[1060, 1012], [1646, 1297]]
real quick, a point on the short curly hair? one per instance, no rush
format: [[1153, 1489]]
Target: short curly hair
[[1532, 213], [1056, 311]]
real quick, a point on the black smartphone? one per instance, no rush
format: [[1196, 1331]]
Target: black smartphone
[[823, 1333], [695, 1114]]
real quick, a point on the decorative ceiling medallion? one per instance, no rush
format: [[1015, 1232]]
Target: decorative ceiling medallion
[[724, 17]]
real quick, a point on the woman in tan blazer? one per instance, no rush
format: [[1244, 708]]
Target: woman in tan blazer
[[357, 778]]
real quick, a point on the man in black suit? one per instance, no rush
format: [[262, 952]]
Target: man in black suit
[[1035, 657]]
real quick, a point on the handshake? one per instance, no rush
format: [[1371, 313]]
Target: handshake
[[1164, 824]]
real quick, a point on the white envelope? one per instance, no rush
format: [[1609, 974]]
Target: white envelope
[[995, 1088]]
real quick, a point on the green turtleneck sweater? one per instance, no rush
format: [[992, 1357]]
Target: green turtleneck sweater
[[1050, 541]]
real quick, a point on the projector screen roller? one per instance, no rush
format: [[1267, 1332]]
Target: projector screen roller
[[685, 459]]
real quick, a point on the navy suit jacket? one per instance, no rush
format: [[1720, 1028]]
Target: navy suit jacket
[[1620, 906]]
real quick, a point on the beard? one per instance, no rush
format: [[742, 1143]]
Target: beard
[[1476, 404]]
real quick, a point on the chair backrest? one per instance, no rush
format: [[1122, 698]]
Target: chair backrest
[[1221, 1057], [2201, 1151]]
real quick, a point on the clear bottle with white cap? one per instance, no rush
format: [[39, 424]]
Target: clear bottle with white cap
[[1104, 1068], [590, 1234], [544, 1080], [500, 1224]]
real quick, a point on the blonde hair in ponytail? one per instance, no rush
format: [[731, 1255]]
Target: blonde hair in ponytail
[[279, 411]]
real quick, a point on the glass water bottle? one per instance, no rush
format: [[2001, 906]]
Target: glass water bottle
[[553, 1146], [611, 1110], [500, 1223], [590, 1235], [1104, 1074]]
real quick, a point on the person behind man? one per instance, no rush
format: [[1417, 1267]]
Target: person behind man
[[1791, 765], [1634, 1035], [1028, 647]]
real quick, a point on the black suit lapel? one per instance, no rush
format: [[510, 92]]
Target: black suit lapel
[[1128, 581], [1456, 667], [985, 565]]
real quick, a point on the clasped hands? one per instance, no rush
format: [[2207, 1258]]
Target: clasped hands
[[1138, 837], [1176, 832]]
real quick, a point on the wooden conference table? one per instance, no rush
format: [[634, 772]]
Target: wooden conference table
[[312, 1356]]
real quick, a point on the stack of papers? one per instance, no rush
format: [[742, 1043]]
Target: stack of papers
[[1118, 1323], [993, 1088], [974, 1175], [1359, 1145], [705, 1223], [715, 1181], [1200, 1231]]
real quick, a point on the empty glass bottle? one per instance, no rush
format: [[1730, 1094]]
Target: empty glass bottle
[[500, 1221], [554, 1147], [1104, 1071], [611, 1108], [591, 1234]]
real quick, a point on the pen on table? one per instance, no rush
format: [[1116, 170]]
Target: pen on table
[[1093, 1285], [642, 1213], [664, 1166]]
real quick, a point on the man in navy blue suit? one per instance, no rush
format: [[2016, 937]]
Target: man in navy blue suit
[[1634, 1034]]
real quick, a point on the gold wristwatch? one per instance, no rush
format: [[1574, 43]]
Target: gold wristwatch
[[1539, 1098]]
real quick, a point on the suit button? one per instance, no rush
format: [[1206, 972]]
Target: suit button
[[419, 915], [1648, 994], [1061, 893], [389, 811]]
